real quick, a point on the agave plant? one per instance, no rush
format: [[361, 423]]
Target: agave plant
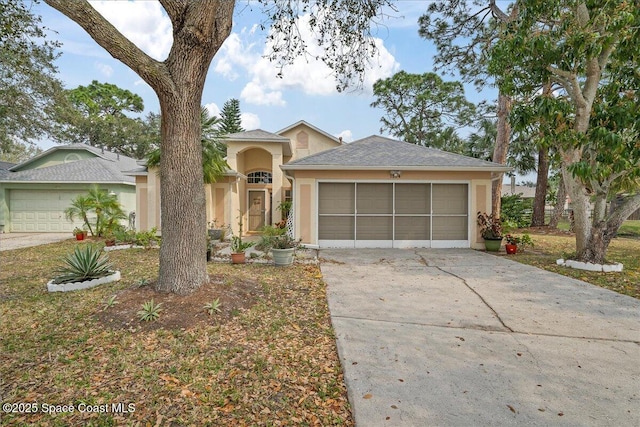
[[85, 263]]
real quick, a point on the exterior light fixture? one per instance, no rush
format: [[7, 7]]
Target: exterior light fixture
[[395, 173]]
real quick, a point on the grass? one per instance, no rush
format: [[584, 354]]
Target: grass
[[629, 228], [548, 248], [273, 363]]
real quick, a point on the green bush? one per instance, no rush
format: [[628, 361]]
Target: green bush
[[85, 263], [516, 210]]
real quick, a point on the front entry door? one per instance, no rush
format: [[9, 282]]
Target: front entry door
[[257, 209]]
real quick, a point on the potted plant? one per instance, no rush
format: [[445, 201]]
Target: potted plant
[[238, 247], [79, 233], [216, 231], [211, 247], [109, 239], [491, 231], [512, 244], [517, 244], [281, 245]]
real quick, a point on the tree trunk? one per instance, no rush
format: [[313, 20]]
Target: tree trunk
[[603, 231], [558, 209], [500, 149], [539, 202], [579, 201], [183, 266]]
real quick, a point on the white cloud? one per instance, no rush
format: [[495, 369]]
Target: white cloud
[[307, 73], [213, 109], [249, 121], [254, 93], [142, 22], [103, 68], [346, 136]]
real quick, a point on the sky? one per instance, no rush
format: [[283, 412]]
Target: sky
[[240, 70]]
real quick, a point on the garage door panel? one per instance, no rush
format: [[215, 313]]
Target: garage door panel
[[450, 228], [393, 214], [413, 199], [41, 211], [336, 228], [336, 198], [412, 228], [374, 228], [374, 198], [450, 199]]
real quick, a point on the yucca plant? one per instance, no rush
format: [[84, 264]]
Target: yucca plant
[[150, 311], [85, 263], [213, 306]]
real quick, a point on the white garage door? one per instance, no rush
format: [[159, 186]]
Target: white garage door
[[41, 211], [378, 215]]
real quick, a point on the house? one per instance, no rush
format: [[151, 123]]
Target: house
[[35, 193], [375, 192]]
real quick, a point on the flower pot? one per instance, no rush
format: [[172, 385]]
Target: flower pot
[[110, 242], [492, 245], [238, 258], [282, 257], [80, 236], [511, 249]]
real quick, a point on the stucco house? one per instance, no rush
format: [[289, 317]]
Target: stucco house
[[375, 192], [35, 193]]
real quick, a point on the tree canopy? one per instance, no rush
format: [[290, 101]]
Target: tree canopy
[[97, 115], [28, 83], [230, 119], [423, 109], [588, 53]]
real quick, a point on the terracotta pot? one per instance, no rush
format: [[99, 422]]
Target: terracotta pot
[[238, 258], [110, 242], [511, 249], [80, 236]]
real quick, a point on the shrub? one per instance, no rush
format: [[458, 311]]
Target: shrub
[[516, 210], [150, 311], [85, 263]]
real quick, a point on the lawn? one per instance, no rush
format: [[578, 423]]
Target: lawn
[[267, 358], [549, 246]]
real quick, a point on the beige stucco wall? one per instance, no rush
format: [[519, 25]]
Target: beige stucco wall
[[306, 187], [315, 141]]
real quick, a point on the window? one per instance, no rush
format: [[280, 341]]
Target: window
[[260, 177]]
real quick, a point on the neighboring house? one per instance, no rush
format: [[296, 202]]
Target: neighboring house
[[525, 192], [375, 192], [35, 193]]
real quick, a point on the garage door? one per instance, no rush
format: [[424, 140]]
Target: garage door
[[378, 215], [40, 211]]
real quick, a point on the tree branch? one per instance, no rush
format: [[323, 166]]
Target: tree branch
[[106, 35]]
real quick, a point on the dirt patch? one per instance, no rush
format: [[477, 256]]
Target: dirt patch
[[181, 312]]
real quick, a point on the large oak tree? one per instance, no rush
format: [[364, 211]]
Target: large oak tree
[[199, 29]]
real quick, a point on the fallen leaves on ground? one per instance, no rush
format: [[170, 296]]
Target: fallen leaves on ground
[[268, 359]]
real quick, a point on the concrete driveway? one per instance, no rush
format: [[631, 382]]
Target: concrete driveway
[[9, 241], [458, 337]]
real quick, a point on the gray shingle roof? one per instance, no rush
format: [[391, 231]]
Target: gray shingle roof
[[96, 170], [380, 152], [6, 165], [256, 135]]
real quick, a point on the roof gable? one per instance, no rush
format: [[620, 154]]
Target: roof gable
[[302, 123], [124, 162], [377, 152], [96, 170]]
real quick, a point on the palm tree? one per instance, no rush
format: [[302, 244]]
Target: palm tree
[[107, 208], [80, 208], [214, 150]]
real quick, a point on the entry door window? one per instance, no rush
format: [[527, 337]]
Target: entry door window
[[257, 210]]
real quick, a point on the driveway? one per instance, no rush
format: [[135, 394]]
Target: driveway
[[437, 337], [9, 241]]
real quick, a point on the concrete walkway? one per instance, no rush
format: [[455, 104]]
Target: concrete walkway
[[462, 338], [10, 241]]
